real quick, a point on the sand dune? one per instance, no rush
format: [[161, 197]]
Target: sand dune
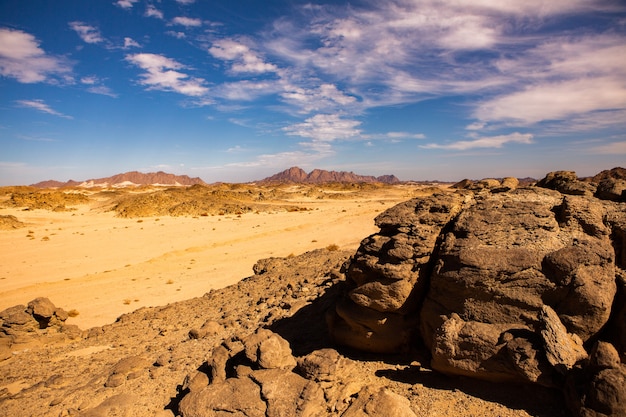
[[100, 265]]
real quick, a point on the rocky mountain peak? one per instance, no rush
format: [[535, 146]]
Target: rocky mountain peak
[[321, 176]]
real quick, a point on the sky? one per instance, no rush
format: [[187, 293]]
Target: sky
[[238, 90]]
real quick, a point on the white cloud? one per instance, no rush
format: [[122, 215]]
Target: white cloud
[[325, 97], [102, 90], [325, 128], [41, 106], [246, 90], [187, 21], [412, 50], [244, 59], [405, 135], [185, 2], [485, 142], [235, 149], [177, 35], [125, 4], [555, 100], [90, 80], [161, 75], [476, 126], [96, 86], [559, 79], [152, 11], [22, 58], [615, 148], [88, 33], [131, 43]]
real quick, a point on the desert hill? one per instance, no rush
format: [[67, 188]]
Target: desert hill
[[320, 176], [132, 178]]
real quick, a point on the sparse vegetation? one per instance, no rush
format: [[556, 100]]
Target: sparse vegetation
[[332, 247]]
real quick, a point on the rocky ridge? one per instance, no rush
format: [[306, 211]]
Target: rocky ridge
[[132, 178], [320, 176], [457, 293]]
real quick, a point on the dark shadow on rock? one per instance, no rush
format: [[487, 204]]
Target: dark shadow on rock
[[175, 401], [306, 331], [536, 400]]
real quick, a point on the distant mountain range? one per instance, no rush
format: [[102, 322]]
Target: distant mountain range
[[319, 176], [294, 174], [126, 179]]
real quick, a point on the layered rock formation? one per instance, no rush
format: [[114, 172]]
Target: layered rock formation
[[498, 283]]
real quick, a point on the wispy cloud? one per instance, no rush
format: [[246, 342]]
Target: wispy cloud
[[416, 50], [246, 90], [152, 11], [405, 135], [185, 2], [162, 74], [187, 21], [559, 79], [21, 58], [35, 139], [177, 35], [484, 142], [41, 106], [126, 4], [130, 43], [96, 86], [88, 33], [243, 58], [615, 148], [325, 128], [325, 97]]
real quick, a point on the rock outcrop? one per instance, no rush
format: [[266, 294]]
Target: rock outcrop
[[500, 283], [38, 322]]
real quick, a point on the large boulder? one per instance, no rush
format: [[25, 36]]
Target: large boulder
[[508, 285], [504, 260], [251, 376], [566, 182]]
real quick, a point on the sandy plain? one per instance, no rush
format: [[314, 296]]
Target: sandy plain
[[91, 261]]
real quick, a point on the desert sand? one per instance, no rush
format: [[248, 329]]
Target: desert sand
[[93, 262]]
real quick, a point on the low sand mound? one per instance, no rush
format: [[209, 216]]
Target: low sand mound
[[48, 200], [198, 200], [10, 222]]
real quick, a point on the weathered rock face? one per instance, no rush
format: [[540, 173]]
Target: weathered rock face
[[506, 257], [39, 321], [501, 284], [598, 389], [389, 274]]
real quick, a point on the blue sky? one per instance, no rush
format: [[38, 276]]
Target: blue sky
[[239, 90]]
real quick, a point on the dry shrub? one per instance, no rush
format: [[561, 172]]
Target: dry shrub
[[332, 247]]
